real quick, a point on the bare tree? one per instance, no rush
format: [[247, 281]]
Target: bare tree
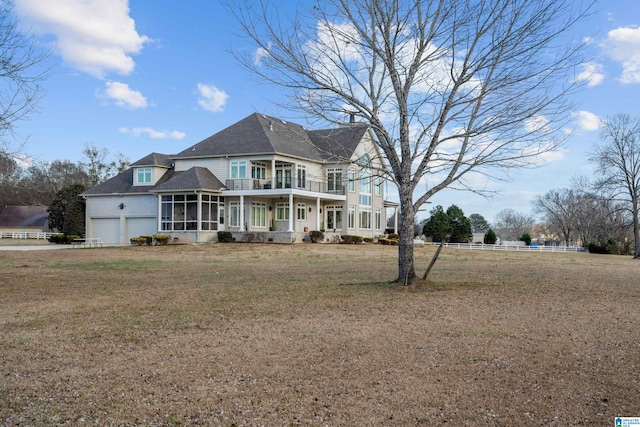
[[511, 225], [618, 166], [455, 91], [46, 179], [98, 167], [558, 207], [21, 70]]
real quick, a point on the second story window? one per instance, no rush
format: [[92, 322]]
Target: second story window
[[351, 176], [143, 176], [238, 169], [258, 170], [334, 180], [302, 176]]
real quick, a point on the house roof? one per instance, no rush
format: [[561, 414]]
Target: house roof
[[196, 178], [260, 134], [154, 159], [23, 216], [122, 184], [255, 134]]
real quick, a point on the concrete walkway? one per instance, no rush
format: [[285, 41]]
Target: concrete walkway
[[33, 247]]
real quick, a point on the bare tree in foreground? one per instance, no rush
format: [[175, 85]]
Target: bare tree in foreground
[[21, 71], [618, 166], [455, 91]]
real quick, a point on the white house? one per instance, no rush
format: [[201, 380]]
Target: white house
[[262, 179]]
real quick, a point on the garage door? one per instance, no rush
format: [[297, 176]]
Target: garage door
[[107, 230], [141, 227]]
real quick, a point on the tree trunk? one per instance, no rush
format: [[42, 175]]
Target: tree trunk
[[636, 228], [406, 265]]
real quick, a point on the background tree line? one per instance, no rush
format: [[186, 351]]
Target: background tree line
[[57, 184]]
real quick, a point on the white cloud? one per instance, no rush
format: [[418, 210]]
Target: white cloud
[[95, 36], [536, 123], [153, 134], [592, 74], [623, 46], [587, 120], [260, 53], [211, 98], [124, 96]]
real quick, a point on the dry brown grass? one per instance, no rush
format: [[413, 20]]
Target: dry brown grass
[[273, 335]]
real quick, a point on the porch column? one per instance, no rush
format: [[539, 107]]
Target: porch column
[[159, 219], [318, 214], [395, 220], [291, 213], [242, 213], [199, 216], [273, 173]]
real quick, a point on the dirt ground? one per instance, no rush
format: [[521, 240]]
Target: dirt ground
[[275, 335]]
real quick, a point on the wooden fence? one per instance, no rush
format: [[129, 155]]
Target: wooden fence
[[24, 235], [521, 248]]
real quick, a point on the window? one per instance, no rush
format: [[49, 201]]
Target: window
[[378, 219], [259, 214], [334, 217], [302, 176], [351, 217], [179, 212], [282, 211], [283, 175], [234, 214], [334, 180], [365, 218], [238, 169], [378, 186], [143, 176], [351, 176], [209, 212], [258, 170], [301, 214]]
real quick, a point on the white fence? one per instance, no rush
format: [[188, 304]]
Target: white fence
[[24, 235], [521, 248]]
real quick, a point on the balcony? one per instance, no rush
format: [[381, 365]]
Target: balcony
[[274, 184]]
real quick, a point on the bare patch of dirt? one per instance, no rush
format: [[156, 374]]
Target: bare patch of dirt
[[252, 334]]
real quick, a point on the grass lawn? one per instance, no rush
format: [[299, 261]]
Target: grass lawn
[[250, 334]]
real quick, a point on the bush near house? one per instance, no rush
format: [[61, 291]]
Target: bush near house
[[387, 241], [349, 238], [62, 239], [225, 237], [316, 236], [161, 240]]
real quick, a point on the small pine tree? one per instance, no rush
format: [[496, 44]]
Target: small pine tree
[[490, 237], [526, 238]]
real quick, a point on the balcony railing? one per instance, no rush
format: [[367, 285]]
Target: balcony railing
[[270, 184]]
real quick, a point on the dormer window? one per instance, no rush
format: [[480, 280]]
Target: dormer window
[[143, 176]]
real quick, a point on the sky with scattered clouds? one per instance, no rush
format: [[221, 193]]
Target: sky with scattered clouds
[[137, 77]]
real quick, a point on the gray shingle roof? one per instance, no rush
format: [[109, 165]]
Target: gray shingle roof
[[154, 159], [196, 178], [260, 134]]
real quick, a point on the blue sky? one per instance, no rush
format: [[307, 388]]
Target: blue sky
[[137, 77]]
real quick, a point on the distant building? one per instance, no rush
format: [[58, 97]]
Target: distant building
[[24, 219]]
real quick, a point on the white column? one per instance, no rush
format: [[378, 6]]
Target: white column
[[199, 214], [318, 214], [242, 213], [395, 220], [291, 213]]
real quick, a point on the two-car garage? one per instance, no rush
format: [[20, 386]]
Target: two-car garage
[[118, 231]]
